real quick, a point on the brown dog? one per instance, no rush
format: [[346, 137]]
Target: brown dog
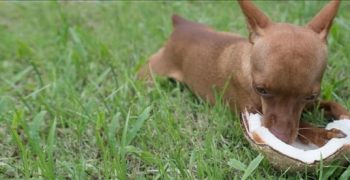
[[277, 71]]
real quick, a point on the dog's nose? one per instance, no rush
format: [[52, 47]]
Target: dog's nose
[[280, 135]]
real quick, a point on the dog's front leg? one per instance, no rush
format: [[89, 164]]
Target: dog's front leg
[[307, 133], [319, 136]]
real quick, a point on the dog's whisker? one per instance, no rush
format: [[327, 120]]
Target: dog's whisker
[[257, 110], [260, 113], [305, 128], [303, 136]]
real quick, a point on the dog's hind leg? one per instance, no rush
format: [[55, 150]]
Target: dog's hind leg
[[160, 64], [332, 109]]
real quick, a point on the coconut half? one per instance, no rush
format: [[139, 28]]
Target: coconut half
[[297, 155]]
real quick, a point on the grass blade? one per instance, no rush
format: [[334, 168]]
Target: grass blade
[[329, 172], [234, 163], [140, 120], [125, 133], [252, 166], [112, 131], [346, 174], [50, 149]]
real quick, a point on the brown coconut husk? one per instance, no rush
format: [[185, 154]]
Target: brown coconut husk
[[282, 162]]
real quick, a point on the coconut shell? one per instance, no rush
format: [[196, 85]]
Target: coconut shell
[[283, 162]]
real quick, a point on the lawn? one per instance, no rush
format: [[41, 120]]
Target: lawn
[[71, 107]]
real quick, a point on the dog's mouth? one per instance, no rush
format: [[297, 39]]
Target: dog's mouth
[[281, 136], [284, 135]]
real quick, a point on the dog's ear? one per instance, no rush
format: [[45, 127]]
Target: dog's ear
[[257, 21], [322, 22]]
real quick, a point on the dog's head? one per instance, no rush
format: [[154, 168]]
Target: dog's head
[[287, 64]]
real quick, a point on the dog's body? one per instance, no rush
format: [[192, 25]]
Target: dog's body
[[277, 71], [206, 60]]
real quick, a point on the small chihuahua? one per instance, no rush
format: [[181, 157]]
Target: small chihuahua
[[277, 71]]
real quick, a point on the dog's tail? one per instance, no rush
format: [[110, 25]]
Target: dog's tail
[[177, 20]]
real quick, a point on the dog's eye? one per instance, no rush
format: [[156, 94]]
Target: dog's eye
[[311, 97], [261, 91]]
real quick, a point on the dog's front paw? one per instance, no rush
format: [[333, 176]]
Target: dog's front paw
[[326, 135], [334, 133], [344, 117], [319, 136]]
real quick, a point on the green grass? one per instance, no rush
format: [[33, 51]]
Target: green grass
[[70, 105]]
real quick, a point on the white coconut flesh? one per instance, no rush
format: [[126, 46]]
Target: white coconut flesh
[[305, 153]]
